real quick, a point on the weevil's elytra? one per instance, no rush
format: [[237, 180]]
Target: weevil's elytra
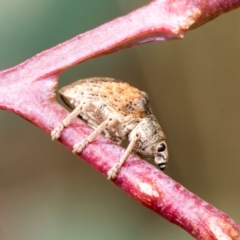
[[119, 111]]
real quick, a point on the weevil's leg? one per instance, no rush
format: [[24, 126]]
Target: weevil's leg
[[112, 173], [55, 134], [78, 147]]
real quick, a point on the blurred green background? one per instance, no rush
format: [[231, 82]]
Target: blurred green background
[[46, 192]]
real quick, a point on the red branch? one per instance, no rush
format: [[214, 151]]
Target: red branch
[[29, 90]]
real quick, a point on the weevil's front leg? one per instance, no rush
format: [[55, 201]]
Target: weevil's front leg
[[78, 147], [112, 173], [55, 134]]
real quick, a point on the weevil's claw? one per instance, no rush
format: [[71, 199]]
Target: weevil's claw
[[78, 147], [56, 132], [112, 173]]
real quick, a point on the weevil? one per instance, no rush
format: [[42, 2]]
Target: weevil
[[118, 110]]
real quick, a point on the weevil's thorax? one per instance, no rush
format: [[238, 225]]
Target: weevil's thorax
[[151, 134]]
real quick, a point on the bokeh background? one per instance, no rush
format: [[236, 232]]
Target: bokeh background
[[48, 193]]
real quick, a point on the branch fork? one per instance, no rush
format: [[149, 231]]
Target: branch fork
[[29, 90]]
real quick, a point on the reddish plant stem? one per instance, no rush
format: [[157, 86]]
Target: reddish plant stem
[[159, 20], [29, 90]]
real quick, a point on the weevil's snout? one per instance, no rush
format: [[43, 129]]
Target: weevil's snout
[[161, 157]]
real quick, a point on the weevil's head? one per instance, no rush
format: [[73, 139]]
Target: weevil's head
[[157, 150], [152, 142], [161, 155]]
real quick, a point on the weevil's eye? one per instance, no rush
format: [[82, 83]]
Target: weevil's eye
[[161, 147]]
